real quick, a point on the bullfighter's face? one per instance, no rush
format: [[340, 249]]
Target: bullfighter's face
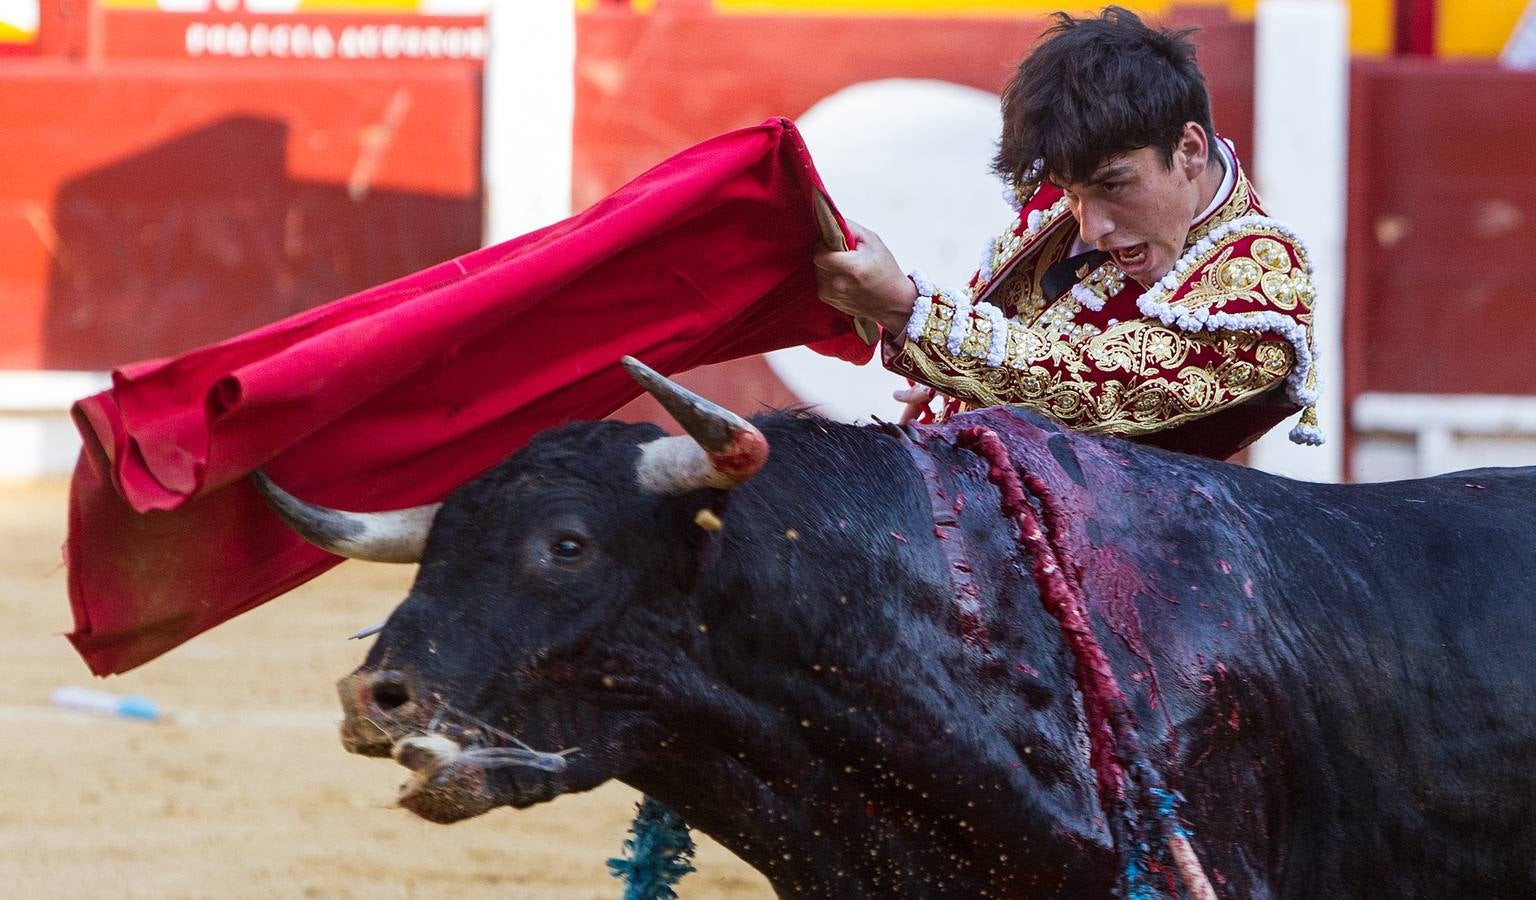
[[1139, 209]]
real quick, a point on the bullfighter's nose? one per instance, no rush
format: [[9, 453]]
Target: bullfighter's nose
[[379, 707]]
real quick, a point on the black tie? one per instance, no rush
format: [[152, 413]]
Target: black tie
[[1059, 278]]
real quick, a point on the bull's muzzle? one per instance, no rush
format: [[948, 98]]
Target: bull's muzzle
[[379, 708]]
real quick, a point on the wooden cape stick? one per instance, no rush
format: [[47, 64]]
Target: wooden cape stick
[[832, 236]]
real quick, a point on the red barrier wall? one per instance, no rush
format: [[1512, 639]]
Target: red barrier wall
[[149, 207], [154, 204], [649, 85], [1442, 235]]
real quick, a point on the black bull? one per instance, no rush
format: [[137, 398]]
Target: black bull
[[850, 681]]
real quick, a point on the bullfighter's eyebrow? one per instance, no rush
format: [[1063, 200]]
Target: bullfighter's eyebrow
[[1108, 174], [1098, 178]]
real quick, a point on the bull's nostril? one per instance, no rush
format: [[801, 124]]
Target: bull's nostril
[[390, 693]]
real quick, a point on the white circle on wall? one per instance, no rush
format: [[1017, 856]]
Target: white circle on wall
[[910, 160]]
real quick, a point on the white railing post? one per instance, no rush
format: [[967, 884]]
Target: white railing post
[[529, 104], [37, 437], [1301, 129]]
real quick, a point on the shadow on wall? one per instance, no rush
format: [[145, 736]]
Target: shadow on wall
[[205, 236]]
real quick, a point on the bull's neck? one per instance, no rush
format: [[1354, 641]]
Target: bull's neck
[[853, 732], [929, 797]]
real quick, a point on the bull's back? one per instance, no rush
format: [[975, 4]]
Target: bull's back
[[1437, 556], [1411, 605]]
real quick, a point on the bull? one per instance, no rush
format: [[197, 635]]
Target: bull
[[842, 661]]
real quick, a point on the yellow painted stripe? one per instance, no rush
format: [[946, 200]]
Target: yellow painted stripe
[[957, 8], [1476, 29], [1370, 27], [10, 34]]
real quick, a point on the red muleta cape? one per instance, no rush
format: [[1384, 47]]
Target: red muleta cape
[[394, 396]]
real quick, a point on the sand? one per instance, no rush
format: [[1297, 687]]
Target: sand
[[244, 790]]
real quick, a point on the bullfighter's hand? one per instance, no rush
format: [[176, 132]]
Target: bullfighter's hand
[[917, 398], [865, 282]]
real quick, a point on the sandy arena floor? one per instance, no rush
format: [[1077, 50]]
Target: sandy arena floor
[[246, 791]]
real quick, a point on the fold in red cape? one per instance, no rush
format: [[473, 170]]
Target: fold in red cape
[[394, 396]]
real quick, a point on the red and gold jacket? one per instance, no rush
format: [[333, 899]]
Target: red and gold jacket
[[1204, 361]]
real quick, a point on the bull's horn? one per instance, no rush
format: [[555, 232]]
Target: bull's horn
[[398, 536], [722, 449]]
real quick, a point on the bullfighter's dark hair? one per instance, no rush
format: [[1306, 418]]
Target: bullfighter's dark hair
[[1095, 87]]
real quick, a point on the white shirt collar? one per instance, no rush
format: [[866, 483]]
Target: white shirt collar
[[1228, 180]]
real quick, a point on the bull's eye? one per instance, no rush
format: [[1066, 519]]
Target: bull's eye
[[562, 544]]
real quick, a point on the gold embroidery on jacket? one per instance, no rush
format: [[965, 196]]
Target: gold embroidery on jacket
[[1158, 384], [1105, 281], [1020, 295], [1239, 275], [1128, 378], [1271, 254], [1007, 245], [1226, 276], [1060, 321], [1238, 205]]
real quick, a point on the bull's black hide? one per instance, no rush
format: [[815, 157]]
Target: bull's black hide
[[1337, 678]]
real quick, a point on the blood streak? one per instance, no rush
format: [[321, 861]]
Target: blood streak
[[964, 593], [1103, 701]]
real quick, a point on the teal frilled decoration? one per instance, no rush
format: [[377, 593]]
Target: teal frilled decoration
[[658, 855]]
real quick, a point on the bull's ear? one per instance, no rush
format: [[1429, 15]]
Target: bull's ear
[[722, 450], [702, 525]]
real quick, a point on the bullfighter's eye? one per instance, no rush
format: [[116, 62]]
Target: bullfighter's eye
[[567, 548]]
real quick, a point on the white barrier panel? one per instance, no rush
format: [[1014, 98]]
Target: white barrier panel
[[528, 114], [37, 438], [1413, 435], [1301, 128]]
